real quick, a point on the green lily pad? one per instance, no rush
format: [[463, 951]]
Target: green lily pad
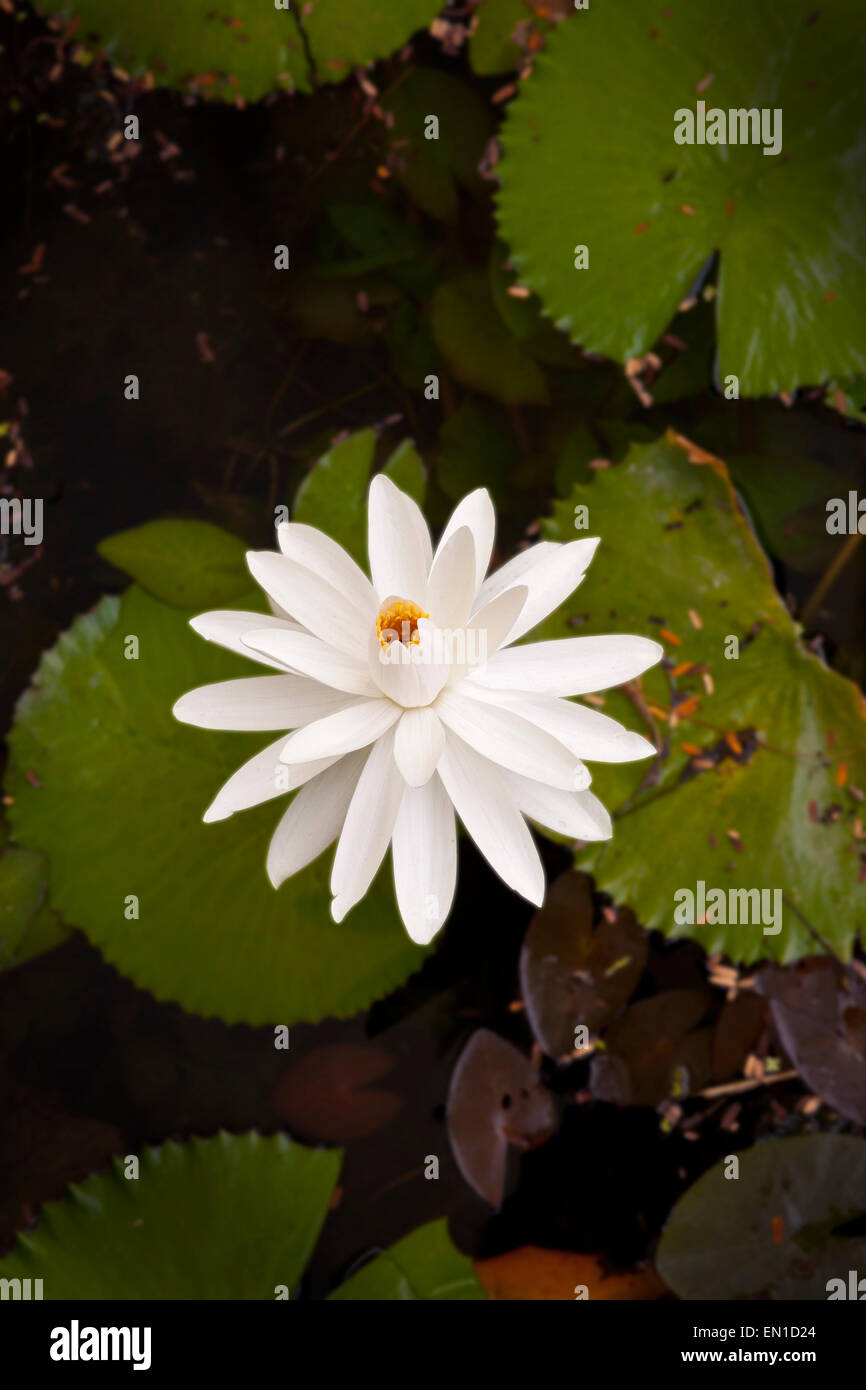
[[424, 1265], [189, 564], [118, 811], [27, 924], [590, 158], [523, 317], [771, 1232], [476, 449], [848, 397], [241, 48], [493, 47], [233, 1217], [478, 348], [433, 169], [750, 791], [333, 496]]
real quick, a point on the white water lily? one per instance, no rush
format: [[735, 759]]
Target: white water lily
[[409, 704]]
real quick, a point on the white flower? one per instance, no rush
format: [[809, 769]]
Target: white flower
[[409, 702]]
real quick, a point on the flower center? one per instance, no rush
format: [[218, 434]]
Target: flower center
[[398, 622]]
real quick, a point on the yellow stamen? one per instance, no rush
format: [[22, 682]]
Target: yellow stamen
[[398, 622]]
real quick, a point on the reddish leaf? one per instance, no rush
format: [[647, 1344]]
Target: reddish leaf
[[819, 1012], [494, 1100], [572, 972], [652, 1052], [322, 1095], [738, 1028]]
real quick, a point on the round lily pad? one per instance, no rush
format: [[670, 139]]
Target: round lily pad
[[115, 800], [233, 1217], [590, 158], [422, 1266], [775, 1230], [761, 745], [245, 48]]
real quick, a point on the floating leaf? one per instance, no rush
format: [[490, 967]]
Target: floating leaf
[[333, 496], [590, 158], [476, 449], [747, 794], [327, 1093], [494, 1100], [689, 367], [738, 1028], [406, 471], [248, 48], [469, 333], [423, 1266], [573, 973], [492, 49], [819, 1012], [119, 812], [522, 316], [533, 1273], [189, 564], [787, 502], [330, 306], [44, 1146], [772, 1232], [653, 1052], [233, 1217], [27, 924], [848, 397], [431, 166]]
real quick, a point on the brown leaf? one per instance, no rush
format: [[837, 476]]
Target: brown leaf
[[323, 1094], [572, 972], [738, 1028], [655, 1047], [494, 1100], [819, 1013]]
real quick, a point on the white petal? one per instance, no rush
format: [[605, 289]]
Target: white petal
[[418, 745], [485, 632], [261, 779], [476, 512], [489, 814], [424, 855], [585, 732], [318, 552], [550, 582], [507, 738], [515, 570], [354, 726], [314, 819], [579, 815], [451, 585], [367, 829], [571, 666], [310, 656], [227, 629], [398, 543], [413, 673], [256, 703], [311, 600]]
